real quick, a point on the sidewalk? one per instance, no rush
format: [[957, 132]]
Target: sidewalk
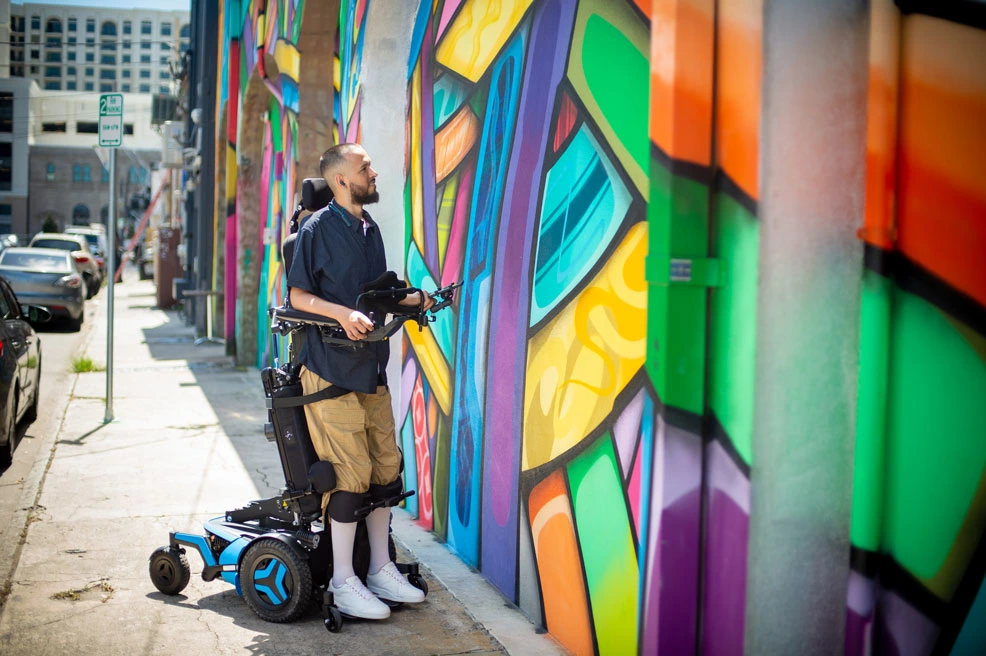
[[186, 444]]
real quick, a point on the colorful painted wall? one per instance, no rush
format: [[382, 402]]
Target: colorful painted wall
[[919, 507]]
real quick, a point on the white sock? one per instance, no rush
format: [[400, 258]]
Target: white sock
[[378, 529], [343, 539]]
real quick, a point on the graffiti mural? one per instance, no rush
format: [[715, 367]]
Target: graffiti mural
[[919, 497]]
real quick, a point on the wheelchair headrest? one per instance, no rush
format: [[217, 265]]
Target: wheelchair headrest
[[315, 194]]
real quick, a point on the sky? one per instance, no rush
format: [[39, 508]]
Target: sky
[[168, 5]]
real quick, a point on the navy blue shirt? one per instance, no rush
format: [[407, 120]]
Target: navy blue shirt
[[332, 258]]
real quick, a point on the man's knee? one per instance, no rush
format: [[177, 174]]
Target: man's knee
[[386, 495], [343, 506]]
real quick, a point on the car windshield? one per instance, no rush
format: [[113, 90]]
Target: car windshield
[[51, 262], [60, 244]]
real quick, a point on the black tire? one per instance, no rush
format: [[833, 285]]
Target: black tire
[[32, 410], [334, 621], [276, 581], [169, 570], [7, 451], [75, 325]]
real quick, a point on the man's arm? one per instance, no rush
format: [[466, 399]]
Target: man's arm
[[356, 324]]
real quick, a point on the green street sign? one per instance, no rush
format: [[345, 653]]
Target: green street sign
[[111, 120]]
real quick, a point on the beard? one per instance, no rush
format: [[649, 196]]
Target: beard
[[363, 195]]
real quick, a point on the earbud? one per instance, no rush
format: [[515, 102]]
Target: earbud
[[342, 183]]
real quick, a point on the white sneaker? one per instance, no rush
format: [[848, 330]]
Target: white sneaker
[[353, 599], [390, 584]]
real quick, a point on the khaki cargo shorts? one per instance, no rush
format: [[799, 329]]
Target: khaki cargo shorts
[[355, 432]]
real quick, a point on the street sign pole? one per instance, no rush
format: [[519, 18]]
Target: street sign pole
[[111, 137]]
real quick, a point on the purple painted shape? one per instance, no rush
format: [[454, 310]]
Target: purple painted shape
[[230, 291], [727, 533], [455, 251], [407, 387], [428, 155], [627, 429], [507, 356], [678, 537], [279, 160], [901, 629], [860, 602]]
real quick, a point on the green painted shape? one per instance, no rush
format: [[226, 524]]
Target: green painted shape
[[478, 100], [677, 217], [440, 465], [274, 116], [299, 12], [733, 323], [871, 411], [936, 434], [606, 545]]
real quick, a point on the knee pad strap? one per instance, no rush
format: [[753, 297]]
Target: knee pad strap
[[386, 495], [343, 505]]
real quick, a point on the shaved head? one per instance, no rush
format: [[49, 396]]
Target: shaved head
[[334, 158]]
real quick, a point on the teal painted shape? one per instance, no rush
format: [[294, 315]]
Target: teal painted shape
[[410, 464], [972, 637], [419, 276], [450, 94], [585, 201]]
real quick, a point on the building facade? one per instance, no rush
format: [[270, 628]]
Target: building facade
[[67, 48], [15, 121]]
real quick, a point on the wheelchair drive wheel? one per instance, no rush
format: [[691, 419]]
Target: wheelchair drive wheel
[[276, 581], [169, 570]]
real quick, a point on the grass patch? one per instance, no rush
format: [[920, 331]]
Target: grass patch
[[83, 364]]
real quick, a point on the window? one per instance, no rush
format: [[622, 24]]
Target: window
[[126, 73], [90, 41], [35, 38], [90, 57], [106, 87], [127, 43], [34, 70], [53, 85], [6, 112], [106, 176], [165, 46], [145, 75], [165, 29], [146, 27], [72, 41], [132, 175], [35, 22], [128, 128], [80, 211], [164, 75], [145, 45], [88, 86], [50, 172], [76, 173], [125, 59], [53, 26], [91, 25], [85, 173], [127, 27], [90, 71], [108, 28], [17, 71], [17, 23], [87, 127], [107, 74], [70, 70], [108, 45], [145, 59], [145, 88], [186, 31], [163, 90], [71, 24], [108, 60], [70, 85], [53, 42], [53, 127], [6, 225], [126, 87], [164, 60], [5, 164], [71, 56], [53, 56], [35, 54], [53, 71]]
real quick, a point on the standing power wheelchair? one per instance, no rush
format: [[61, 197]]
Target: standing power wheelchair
[[277, 552]]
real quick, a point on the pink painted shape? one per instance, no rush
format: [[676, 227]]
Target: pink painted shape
[[455, 250], [408, 376], [633, 492], [230, 290], [419, 417], [352, 131], [626, 430], [447, 13]]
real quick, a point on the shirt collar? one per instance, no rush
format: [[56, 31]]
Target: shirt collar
[[352, 221]]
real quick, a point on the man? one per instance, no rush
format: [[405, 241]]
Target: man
[[336, 250]]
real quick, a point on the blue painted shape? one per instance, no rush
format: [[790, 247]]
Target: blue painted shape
[[972, 637], [419, 276], [465, 476], [585, 202], [647, 420], [449, 95], [418, 35], [410, 463], [289, 93]]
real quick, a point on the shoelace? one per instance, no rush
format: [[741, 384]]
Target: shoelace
[[360, 590]]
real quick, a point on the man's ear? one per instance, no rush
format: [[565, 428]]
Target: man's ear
[[340, 181]]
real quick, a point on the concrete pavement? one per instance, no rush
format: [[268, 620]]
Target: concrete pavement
[[186, 444]]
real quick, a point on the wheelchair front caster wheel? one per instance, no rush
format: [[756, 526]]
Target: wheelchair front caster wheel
[[419, 582], [169, 570], [334, 621]]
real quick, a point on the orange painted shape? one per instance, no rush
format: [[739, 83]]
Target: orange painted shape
[[643, 6], [681, 78], [941, 193], [454, 141], [566, 608], [738, 75]]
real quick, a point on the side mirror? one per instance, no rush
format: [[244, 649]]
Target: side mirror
[[36, 313]]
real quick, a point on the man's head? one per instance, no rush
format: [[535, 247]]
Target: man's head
[[346, 167]]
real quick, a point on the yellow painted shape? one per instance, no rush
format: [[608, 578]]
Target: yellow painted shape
[[446, 212], [433, 365], [336, 75], [261, 30], [417, 197], [477, 35], [230, 174], [580, 362], [288, 59]]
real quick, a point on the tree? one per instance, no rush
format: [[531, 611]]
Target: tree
[[49, 225]]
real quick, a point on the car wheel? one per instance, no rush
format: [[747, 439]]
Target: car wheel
[[75, 325], [32, 410], [10, 428]]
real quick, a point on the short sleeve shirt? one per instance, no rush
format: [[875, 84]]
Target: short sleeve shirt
[[333, 256]]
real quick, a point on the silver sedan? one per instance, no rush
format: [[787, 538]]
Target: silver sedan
[[46, 277]]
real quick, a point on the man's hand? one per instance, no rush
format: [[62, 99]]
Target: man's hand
[[414, 300], [357, 325]]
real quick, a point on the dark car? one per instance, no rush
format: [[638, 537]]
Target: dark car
[[20, 367], [46, 277]]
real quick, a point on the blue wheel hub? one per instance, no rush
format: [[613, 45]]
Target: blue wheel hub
[[268, 580]]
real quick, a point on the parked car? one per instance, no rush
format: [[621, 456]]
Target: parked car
[[83, 257], [46, 277], [97, 244], [20, 367], [7, 240]]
